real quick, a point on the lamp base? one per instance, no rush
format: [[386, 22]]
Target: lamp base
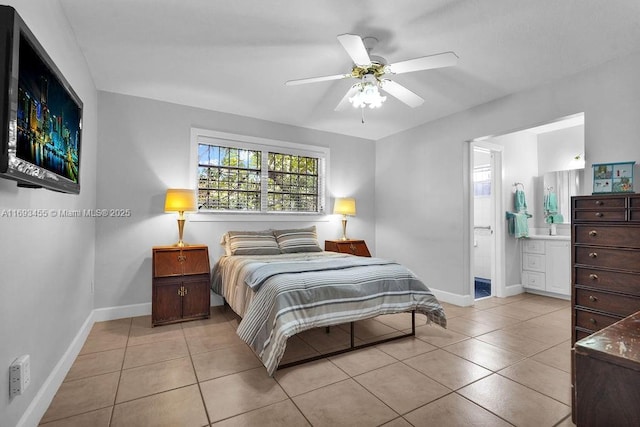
[[344, 228]]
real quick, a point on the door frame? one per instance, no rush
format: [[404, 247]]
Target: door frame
[[498, 275]]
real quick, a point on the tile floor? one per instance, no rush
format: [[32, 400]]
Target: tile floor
[[502, 362]]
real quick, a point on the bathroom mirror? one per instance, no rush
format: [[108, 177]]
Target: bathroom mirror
[[564, 184]]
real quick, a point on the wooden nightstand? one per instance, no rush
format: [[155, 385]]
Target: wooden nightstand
[[353, 247], [180, 284]]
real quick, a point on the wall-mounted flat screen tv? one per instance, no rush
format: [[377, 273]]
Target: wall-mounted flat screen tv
[[40, 114]]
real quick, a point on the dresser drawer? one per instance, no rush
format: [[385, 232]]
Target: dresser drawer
[[599, 202], [634, 215], [175, 262], [624, 259], [619, 305], [594, 321], [615, 235], [628, 283], [602, 215]]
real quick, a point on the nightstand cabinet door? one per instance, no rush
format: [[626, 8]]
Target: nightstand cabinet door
[[180, 284], [353, 247]]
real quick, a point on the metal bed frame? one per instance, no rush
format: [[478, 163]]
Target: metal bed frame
[[352, 346]]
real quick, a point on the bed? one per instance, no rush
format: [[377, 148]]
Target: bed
[[278, 295]]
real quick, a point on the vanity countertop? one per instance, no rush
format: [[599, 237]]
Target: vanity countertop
[[549, 237]]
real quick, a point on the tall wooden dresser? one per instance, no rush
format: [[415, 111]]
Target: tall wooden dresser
[[605, 257]]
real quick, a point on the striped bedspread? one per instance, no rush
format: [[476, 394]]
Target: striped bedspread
[[292, 293]]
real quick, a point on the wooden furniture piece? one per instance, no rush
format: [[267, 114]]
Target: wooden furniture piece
[[353, 247], [605, 257], [607, 366], [180, 284]]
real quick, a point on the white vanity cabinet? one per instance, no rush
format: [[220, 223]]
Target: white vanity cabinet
[[546, 265]]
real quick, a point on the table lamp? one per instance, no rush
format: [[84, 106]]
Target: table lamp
[[180, 200], [344, 206]]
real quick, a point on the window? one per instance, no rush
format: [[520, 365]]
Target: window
[[240, 174]]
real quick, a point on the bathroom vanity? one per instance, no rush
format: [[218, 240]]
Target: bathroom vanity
[[546, 265]]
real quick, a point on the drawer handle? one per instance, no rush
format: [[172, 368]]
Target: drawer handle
[[599, 214], [593, 254], [593, 321], [593, 233], [182, 258], [352, 247], [593, 276], [598, 202], [592, 298]]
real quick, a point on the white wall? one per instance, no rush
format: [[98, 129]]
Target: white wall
[[47, 263], [557, 149], [144, 149], [421, 174]]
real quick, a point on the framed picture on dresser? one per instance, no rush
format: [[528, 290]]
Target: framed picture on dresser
[[613, 177]]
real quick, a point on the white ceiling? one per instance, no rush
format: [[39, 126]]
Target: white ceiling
[[235, 55]]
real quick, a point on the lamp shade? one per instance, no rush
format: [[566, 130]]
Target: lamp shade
[[345, 206], [180, 200]]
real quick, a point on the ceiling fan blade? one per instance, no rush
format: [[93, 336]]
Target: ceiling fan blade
[[439, 60], [344, 102], [317, 79], [401, 93], [355, 48]]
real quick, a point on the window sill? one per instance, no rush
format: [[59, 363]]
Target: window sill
[[257, 217]]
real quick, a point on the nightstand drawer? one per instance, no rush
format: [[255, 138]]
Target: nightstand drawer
[[174, 262], [353, 247]]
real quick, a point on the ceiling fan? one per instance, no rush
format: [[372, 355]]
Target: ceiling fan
[[371, 72]]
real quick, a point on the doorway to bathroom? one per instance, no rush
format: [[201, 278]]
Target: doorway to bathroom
[[487, 186]]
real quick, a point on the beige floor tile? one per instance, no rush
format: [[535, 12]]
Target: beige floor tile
[[90, 364], [543, 333], [99, 418], [354, 407], [438, 336], [515, 403], [485, 303], [370, 328], [453, 411], [398, 422], [145, 354], [107, 338], [84, 395], [405, 348], [361, 361], [281, 414], [566, 423], [468, 327], [145, 335], [452, 311], [238, 393], [549, 381], [309, 376], [110, 324], [401, 387], [514, 341], [297, 349], [229, 360], [484, 354], [513, 310], [448, 369], [155, 378], [401, 321], [324, 342], [492, 319], [180, 407], [222, 338], [558, 356], [197, 328]]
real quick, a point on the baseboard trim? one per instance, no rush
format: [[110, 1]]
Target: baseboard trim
[[122, 311], [455, 299], [40, 403], [512, 290]]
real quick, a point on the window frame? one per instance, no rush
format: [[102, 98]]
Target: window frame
[[232, 140]]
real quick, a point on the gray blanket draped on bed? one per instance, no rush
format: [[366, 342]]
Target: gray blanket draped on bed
[[296, 295]]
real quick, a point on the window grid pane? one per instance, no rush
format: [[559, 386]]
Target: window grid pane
[[292, 183]]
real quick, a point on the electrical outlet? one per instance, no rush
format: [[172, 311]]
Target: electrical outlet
[[19, 375]]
